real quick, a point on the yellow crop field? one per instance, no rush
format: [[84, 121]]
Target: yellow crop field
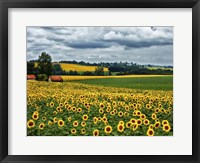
[[74, 109], [79, 68], [162, 68], [71, 78]]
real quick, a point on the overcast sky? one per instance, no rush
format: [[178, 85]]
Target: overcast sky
[[142, 45]]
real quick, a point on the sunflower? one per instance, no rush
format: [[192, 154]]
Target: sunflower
[[121, 122], [108, 110], [126, 114], [157, 110], [150, 132], [151, 126], [99, 119], [157, 124], [128, 124], [95, 119], [148, 106], [146, 122], [83, 124], [36, 112], [75, 124], [69, 119], [58, 109], [127, 108], [135, 113], [69, 108], [30, 123], [61, 105], [101, 111], [135, 126], [120, 113], [51, 104], [166, 128], [165, 122], [41, 126], [50, 123], [73, 131], [44, 118], [61, 123], [74, 109], [54, 112], [85, 117], [133, 121], [96, 132], [83, 131], [153, 116], [35, 116], [101, 105], [55, 120], [112, 113], [139, 122], [79, 110], [104, 119], [142, 116], [108, 129], [120, 127], [138, 113]]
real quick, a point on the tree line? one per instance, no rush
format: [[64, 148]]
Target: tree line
[[45, 68]]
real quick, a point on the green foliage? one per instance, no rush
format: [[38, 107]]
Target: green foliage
[[31, 67], [42, 77], [57, 70], [45, 64], [99, 71]]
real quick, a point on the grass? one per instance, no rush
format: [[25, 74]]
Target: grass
[[149, 83]]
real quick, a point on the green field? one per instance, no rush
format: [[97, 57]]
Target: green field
[[153, 83]]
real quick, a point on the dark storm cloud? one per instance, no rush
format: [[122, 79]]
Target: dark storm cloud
[[90, 44], [141, 44], [146, 45]]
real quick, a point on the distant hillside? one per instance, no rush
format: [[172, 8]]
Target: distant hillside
[[78, 68]]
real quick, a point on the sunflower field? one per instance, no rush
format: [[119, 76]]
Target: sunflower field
[[75, 109]]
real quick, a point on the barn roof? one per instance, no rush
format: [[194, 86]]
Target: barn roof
[[31, 76], [56, 78]]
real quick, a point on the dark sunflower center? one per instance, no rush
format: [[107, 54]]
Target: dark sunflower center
[[30, 123], [150, 132], [120, 127], [166, 127], [61, 123], [108, 129], [35, 116]]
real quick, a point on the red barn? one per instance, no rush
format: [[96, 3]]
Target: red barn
[[31, 77], [55, 78]]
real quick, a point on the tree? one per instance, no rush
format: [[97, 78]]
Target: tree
[[31, 67], [45, 64], [99, 71], [57, 69]]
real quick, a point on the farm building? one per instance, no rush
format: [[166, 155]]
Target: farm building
[[55, 78], [31, 77]]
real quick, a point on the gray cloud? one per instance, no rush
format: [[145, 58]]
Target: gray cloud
[[144, 45]]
